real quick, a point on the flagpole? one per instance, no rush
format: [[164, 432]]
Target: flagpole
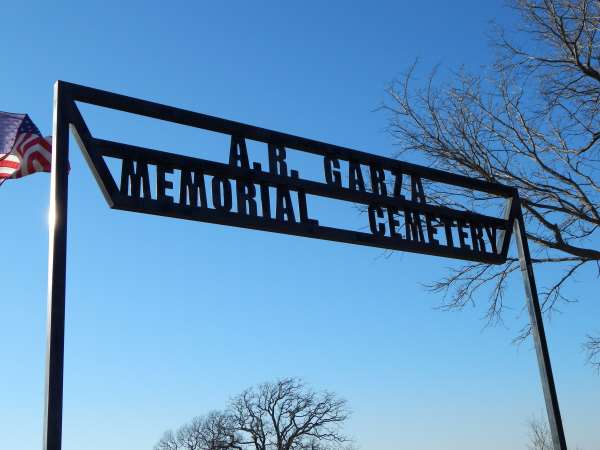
[[57, 259]]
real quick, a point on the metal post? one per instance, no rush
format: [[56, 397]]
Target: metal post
[[539, 336], [57, 259]]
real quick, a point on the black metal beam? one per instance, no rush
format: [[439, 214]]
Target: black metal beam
[[194, 119], [57, 267], [119, 150], [538, 333], [149, 206], [94, 160]]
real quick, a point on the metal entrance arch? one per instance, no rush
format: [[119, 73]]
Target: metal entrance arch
[[490, 236]]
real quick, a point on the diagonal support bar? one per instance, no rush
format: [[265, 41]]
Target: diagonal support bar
[[539, 336]]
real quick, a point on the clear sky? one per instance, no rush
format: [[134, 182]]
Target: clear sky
[[167, 319]]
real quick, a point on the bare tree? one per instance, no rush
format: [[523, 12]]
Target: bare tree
[[215, 431], [282, 415], [592, 348], [287, 415], [540, 437], [531, 120]]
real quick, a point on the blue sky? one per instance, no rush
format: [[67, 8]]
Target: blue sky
[[167, 319]]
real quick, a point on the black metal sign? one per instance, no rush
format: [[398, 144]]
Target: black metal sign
[[273, 197], [276, 198]]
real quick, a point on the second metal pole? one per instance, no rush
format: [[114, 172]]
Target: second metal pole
[[539, 336]]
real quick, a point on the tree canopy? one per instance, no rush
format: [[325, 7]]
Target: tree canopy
[[281, 415], [529, 120]]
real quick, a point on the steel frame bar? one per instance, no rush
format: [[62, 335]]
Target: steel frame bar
[[66, 115], [154, 110], [538, 334], [57, 273]]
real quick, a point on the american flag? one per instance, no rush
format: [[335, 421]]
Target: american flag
[[23, 150]]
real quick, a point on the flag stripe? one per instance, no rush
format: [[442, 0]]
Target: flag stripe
[[23, 150]]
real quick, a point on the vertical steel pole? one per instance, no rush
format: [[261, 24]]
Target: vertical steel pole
[[57, 260], [539, 336]]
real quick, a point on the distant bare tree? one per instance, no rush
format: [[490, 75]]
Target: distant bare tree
[[540, 437], [531, 120], [282, 415], [287, 415], [215, 431], [592, 347]]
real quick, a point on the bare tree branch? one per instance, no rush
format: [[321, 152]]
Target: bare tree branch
[[216, 431], [286, 415], [592, 348], [282, 415], [532, 121], [540, 437]]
